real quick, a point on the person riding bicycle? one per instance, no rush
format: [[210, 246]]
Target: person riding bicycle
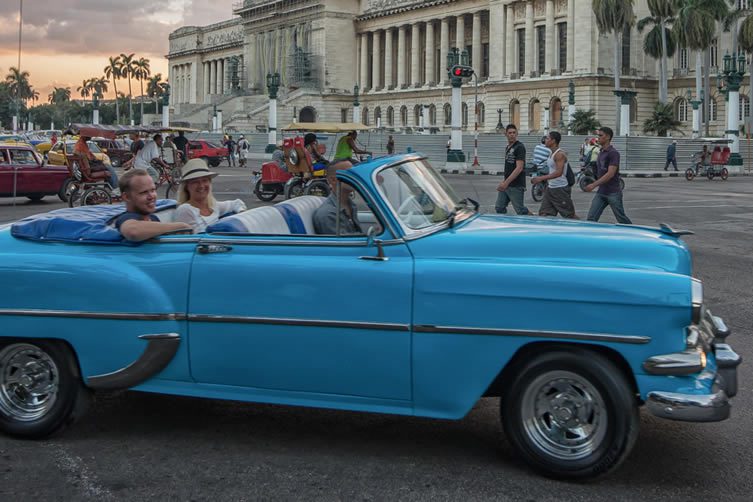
[[311, 144], [82, 148], [346, 147], [149, 156]]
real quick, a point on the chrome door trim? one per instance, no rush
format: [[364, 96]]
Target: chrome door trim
[[250, 240], [564, 335], [276, 321], [79, 314]]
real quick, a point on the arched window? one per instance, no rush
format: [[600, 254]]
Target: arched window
[[417, 115], [377, 116], [712, 108], [390, 116], [403, 116], [307, 114], [432, 115], [681, 110], [515, 112], [744, 112], [534, 115], [633, 110], [365, 116], [555, 114], [481, 114], [465, 115], [447, 114]]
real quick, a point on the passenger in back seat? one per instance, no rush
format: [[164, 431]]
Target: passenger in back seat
[[327, 219]]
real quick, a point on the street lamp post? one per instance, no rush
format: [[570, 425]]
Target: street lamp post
[[356, 105], [455, 153], [273, 85], [570, 106], [95, 106], [499, 120], [166, 107], [731, 77]]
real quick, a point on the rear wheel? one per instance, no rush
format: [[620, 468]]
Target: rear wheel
[[95, 196], [65, 189], [264, 195], [74, 195], [41, 391], [584, 182], [710, 174], [294, 188], [689, 174], [214, 163], [115, 161], [724, 174], [570, 415], [320, 188], [537, 192]]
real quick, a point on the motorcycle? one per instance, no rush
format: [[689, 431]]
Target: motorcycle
[[587, 175]]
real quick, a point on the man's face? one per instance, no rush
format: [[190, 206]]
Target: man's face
[[602, 138], [159, 141], [548, 142], [142, 197], [512, 135]]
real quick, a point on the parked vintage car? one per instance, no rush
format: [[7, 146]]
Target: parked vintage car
[[211, 153], [33, 177], [430, 307], [116, 150], [56, 156]]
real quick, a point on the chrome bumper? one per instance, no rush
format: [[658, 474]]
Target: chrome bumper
[[712, 407]]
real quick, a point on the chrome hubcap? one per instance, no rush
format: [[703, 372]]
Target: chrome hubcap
[[564, 415], [29, 381]]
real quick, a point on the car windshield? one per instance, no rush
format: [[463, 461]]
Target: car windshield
[[92, 147], [418, 195]]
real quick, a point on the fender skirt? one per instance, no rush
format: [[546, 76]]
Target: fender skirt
[[158, 353]]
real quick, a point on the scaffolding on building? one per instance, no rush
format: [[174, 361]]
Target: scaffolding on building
[[235, 76], [304, 69]]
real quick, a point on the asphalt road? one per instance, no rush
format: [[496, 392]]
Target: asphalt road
[[133, 446]]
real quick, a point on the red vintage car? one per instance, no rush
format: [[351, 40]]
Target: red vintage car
[[211, 153], [33, 177]]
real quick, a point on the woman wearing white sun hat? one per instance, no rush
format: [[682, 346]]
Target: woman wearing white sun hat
[[196, 204]]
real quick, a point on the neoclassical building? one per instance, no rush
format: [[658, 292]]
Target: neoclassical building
[[525, 52]]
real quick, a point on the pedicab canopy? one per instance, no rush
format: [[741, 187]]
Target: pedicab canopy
[[111, 131], [331, 127]]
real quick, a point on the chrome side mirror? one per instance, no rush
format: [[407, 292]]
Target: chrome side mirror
[[371, 241]]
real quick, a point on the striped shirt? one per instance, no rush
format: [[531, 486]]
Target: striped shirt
[[540, 155]]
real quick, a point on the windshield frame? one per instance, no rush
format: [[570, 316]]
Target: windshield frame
[[460, 214]]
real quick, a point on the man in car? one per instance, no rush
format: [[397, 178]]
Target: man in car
[[139, 222], [150, 153], [82, 148], [327, 219]]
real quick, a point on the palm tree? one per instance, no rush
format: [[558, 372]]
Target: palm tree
[[584, 122], [142, 72], [745, 38], [99, 86], [113, 71], [614, 16], [59, 95], [659, 42], [155, 89], [85, 88], [128, 69], [662, 120]]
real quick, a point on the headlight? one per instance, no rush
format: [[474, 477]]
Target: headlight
[[696, 299]]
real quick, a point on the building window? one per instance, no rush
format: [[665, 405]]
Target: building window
[[555, 113], [469, 50], [541, 48], [343, 115], [521, 52], [432, 115], [417, 115], [465, 115], [515, 112], [377, 117], [481, 114], [712, 109], [714, 53], [743, 4], [633, 111], [534, 115], [390, 116], [562, 46], [365, 116], [626, 50], [447, 114], [403, 116], [485, 63], [681, 110], [744, 112], [683, 58]]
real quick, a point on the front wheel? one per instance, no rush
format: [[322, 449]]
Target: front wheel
[[689, 174], [294, 188], [537, 192], [65, 189], [320, 188], [585, 181], [724, 174], [95, 196], [710, 174], [264, 195], [570, 415], [40, 388]]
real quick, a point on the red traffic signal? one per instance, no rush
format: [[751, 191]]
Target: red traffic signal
[[461, 71]]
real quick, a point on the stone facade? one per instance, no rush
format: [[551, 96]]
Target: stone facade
[[525, 52]]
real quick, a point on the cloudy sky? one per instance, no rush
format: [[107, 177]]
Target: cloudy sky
[[67, 41]]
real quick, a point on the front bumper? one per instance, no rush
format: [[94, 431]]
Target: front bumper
[[712, 407]]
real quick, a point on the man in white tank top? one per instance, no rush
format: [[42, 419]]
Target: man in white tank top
[[558, 194]]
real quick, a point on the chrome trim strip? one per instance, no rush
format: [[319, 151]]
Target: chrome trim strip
[[679, 363], [689, 407], [160, 350], [298, 322], [248, 240], [565, 335], [78, 314]]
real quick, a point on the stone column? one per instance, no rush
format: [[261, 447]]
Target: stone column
[[497, 37], [476, 41], [194, 83], [389, 82], [364, 61], [510, 41], [431, 77], [460, 32], [549, 49], [250, 60], [571, 35], [206, 82], [214, 76], [376, 66], [444, 48], [414, 59], [401, 57], [529, 38], [626, 97]]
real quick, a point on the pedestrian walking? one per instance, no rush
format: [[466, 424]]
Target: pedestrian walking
[[671, 155], [230, 144], [390, 145], [541, 153], [243, 148], [607, 180], [513, 187], [558, 193]]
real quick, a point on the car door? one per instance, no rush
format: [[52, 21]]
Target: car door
[[55, 156], [6, 173], [298, 318], [30, 177]]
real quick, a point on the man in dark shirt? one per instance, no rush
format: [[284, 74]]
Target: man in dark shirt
[[181, 142], [139, 223], [607, 181], [327, 219], [671, 155], [513, 188], [136, 145]]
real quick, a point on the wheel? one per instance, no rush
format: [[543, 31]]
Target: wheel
[[41, 391], [710, 174], [294, 188], [261, 194], [689, 174], [74, 195], [570, 415], [319, 188], [172, 190], [622, 183], [35, 198], [115, 161], [96, 195], [585, 181], [537, 192], [65, 189], [214, 163], [724, 174]]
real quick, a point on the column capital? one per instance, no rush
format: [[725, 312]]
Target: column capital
[[625, 95]]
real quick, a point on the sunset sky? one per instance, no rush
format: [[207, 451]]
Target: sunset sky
[[67, 41]]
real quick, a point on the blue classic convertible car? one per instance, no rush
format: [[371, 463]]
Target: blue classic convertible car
[[433, 306]]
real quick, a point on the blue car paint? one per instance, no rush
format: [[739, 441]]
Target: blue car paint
[[487, 272]]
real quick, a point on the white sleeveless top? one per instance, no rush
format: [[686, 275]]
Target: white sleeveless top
[[560, 181]]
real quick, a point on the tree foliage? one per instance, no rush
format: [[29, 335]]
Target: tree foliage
[[662, 120], [584, 122]]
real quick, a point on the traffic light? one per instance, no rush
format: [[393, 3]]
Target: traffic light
[[461, 71]]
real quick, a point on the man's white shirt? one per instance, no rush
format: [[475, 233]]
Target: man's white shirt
[[144, 157]]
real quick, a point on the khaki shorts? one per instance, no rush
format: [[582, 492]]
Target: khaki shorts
[[557, 200]]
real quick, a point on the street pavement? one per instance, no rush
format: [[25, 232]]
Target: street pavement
[[135, 446]]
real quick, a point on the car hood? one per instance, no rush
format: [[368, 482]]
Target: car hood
[[549, 241]]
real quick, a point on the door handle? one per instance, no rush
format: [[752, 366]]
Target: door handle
[[213, 248]]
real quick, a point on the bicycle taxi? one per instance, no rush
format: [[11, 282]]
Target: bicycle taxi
[[715, 163], [300, 174]]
